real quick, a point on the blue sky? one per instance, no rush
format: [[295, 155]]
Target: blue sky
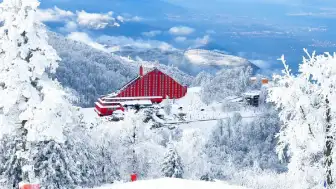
[[259, 30]]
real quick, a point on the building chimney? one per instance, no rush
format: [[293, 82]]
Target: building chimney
[[141, 71]]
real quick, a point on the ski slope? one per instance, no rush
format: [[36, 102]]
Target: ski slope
[[171, 183]]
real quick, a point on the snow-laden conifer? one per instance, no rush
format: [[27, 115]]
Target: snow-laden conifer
[[307, 109], [33, 108], [172, 164]]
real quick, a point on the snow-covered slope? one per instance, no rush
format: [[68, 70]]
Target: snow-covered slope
[[198, 114], [206, 57], [169, 183], [191, 103]]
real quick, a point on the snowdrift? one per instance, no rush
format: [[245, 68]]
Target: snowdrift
[[171, 183]]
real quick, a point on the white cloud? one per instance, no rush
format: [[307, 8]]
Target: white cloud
[[70, 26], [129, 18], [120, 18], [85, 38], [122, 41], [193, 42], [135, 19], [83, 19], [152, 33], [181, 30], [180, 39], [96, 20], [261, 63], [198, 42], [54, 15]]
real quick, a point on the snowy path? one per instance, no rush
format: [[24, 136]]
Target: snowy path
[[213, 119], [171, 183]]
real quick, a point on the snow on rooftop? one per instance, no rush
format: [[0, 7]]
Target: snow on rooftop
[[233, 99], [171, 183], [252, 93], [206, 57], [118, 112]]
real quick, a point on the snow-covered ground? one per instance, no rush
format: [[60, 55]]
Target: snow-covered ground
[[206, 57], [201, 115], [171, 183]]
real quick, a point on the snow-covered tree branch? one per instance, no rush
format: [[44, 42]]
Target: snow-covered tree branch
[[32, 105], [307, 109]]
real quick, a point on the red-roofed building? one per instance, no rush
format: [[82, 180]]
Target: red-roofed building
[[146, 89]]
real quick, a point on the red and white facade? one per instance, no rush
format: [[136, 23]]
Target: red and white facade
[[144, 90]]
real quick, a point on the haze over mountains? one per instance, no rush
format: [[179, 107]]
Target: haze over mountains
[[123, 33], [258, 31], [190, 61]]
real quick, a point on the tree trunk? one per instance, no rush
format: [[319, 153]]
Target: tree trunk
[[329, 144], [24, 160], [134, 155]]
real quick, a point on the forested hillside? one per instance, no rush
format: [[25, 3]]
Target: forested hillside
[[90, 72]]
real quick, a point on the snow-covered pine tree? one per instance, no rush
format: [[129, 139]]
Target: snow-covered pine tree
[[54, 167], [108, 168], [226, 82], [236, 145], [32, 105], [172, 165], [100, 153], [190, 148], [202, 79], [139, 150], [307, 110], [92, 153], [218, 146]]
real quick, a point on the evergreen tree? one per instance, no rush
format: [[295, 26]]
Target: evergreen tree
[[35, 107], [308, 114], [54, 166], [226, 82], [236, 145], [172, 164], [10, 167], [202, 79]]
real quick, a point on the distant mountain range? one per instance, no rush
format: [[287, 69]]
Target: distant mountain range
[[190, 61], [206, 59]]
